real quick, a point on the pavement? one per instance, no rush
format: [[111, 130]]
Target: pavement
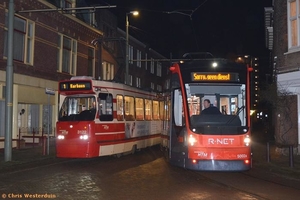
[[272, 164], [28, 156]]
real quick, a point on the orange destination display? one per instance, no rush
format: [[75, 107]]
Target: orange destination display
[[218, 76]]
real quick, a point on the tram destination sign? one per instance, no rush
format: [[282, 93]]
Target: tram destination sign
[[75, 85], [215, 76]]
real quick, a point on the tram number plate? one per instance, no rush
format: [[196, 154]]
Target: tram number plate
[[242, 156]]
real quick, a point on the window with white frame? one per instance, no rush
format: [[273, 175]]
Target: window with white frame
[[67, 55], [159, 88], [91, 62], [138, 58], [68, 4], [108, 71], [158, 69], [88, 16], [152, 86], [130, 80], [138, 82], [130, 54], [293, 23], [152, 66], [23, 39], [91, 20], [146, 63]]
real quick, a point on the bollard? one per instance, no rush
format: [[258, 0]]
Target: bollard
[[19, 143], [291, 156], [268, 152], [33, 134], [44, 145]]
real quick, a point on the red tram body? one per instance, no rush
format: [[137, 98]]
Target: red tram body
[[209, 142], [98, 118]]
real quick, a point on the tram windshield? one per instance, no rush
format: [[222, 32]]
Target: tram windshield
[[219, 105], [78, 109]]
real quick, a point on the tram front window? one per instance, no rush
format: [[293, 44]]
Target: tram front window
[[78, 109], [227, 101]]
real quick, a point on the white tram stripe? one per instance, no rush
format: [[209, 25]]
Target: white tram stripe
[[109, 133]]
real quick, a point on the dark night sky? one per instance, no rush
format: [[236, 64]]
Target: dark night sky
[[221, 27]]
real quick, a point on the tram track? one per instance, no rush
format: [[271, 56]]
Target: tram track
[[254, 186]]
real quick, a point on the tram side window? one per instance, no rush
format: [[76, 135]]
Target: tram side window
[[120, 108], [167, 110], [161, 110], [155, 110], [139, 108], [129, 108], [105, 107], [148, 109]]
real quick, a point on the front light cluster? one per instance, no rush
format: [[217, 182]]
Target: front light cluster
[[60, 137], [84, 137], [192, 140], [247, 140]]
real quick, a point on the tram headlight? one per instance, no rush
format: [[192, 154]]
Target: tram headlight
[[84, 137], [60, 137], [247, 140], [192, 140]]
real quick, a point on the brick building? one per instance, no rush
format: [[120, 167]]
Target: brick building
[[286, 52]]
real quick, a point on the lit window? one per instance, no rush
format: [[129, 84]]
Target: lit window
[[139, 108], [293, 21], [107, 71]]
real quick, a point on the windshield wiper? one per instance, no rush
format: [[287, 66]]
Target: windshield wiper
[[237, 113]]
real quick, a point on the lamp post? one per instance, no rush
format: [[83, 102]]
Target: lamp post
[[127, 46]]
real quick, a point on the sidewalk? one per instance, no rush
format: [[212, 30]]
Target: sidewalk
[[275, 163], [30, 155]]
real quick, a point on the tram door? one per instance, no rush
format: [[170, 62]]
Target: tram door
[[178, 148]]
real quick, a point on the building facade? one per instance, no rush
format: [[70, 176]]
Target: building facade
[[286, 52], [55, 45]]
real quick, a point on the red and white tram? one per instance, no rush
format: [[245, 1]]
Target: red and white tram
[[98, 118]]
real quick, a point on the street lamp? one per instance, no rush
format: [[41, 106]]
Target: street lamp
[[127, 45]]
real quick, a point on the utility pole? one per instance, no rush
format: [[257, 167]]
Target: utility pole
[[9, 83]]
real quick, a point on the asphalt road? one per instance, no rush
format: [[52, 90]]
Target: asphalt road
[[144, 175]]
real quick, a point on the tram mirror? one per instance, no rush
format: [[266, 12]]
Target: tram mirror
[[177, 107], [188, 91]]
